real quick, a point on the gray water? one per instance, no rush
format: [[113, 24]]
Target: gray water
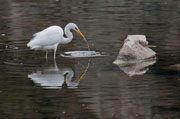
[[96, 88]]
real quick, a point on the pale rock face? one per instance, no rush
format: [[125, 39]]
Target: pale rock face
[[134, 52]]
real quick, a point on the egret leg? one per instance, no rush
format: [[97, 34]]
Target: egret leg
[[55, 52], [46, 54]]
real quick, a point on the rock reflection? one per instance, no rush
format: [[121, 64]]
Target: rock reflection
[[53, 77], [136, 68]]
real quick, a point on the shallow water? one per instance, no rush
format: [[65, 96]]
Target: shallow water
[[103, 90]]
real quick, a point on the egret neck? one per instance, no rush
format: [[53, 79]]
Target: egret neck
[[69, 35]]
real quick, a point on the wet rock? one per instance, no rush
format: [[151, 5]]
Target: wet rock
[[175, 67], [135, 56], [135, 47]]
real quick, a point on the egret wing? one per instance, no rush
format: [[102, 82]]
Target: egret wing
[[49, 36]]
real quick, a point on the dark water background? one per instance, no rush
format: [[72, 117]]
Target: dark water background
[[105, 92]]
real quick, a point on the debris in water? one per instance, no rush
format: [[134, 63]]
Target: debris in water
[[88, 45], [77, 54]]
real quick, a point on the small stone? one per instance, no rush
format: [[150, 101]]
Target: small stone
[[15, 48], [3, 34]]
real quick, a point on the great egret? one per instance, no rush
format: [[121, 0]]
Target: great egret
[[50, 37]]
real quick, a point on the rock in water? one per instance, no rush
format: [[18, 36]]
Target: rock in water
[[135, 48], [134, 51]]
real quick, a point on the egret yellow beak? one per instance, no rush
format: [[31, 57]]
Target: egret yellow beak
[[81, 34]]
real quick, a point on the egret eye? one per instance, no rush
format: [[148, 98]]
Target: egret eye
[[76, 28]]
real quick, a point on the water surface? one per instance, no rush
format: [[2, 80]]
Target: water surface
[[105, 91]]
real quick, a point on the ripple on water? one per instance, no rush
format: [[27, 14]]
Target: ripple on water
[[78, 54]]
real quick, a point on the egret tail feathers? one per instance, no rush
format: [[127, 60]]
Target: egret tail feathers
[[32, 45]]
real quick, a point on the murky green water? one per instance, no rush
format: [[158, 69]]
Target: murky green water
[[33, 88]]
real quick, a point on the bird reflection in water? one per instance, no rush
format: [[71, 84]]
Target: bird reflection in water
[[53, 77]]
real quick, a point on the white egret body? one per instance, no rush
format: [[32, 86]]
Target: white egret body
[[52, 36]]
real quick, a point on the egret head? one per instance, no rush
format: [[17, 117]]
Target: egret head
[[75, 28]]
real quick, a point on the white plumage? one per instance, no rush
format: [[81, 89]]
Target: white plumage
[[50, 37]]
